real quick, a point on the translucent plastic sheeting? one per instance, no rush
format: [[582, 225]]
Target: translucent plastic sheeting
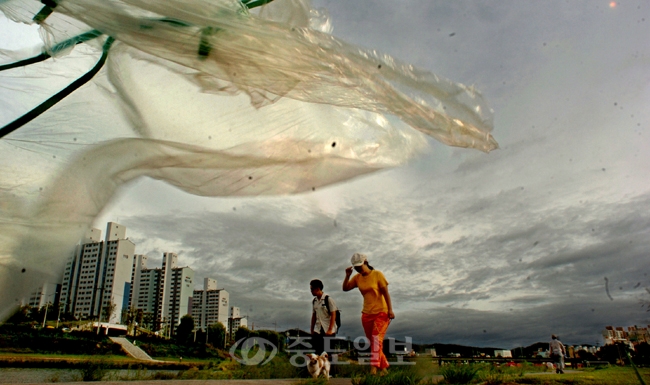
[[209, 97]]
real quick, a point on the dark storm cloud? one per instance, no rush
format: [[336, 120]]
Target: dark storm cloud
[[495, 250], [266, 262], [575, 322]]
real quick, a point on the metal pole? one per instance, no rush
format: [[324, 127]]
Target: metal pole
[[58, 317], [46, 304], [45, 316], [99, 318]]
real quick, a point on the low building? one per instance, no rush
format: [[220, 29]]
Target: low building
[[503, 353]]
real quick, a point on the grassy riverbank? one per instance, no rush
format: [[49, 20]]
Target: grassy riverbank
[[424, 372], [92, 356], [69, 361]]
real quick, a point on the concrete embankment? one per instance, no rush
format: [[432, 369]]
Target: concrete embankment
[[131, 349]]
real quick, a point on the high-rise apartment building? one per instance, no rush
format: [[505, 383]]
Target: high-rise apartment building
[[165, 294], [210, 305], [49, 293], [145, 289], [177, 285], [236, 320], [97, 279], [104, 278]]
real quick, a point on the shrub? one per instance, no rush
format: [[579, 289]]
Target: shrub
[[493, 376], [93, 371], [190, 374], [163, 376], [22, 339], [458, 374], [406, 376]]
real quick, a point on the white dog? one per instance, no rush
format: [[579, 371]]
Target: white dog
[[550, 365], [318, 365]]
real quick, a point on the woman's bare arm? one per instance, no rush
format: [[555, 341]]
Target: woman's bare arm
[[347, 285], [384, 291]]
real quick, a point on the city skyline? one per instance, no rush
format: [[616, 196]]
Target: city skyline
[[108, 275]]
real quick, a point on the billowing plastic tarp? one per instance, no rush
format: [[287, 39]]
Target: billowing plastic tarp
[[207, 95]]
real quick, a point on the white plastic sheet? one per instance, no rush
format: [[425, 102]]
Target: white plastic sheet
[[210, 97]]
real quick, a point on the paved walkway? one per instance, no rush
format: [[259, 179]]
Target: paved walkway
[[290, 381], [131, 349], [566, 371]]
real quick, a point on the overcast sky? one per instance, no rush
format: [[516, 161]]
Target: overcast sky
[[548, 234]]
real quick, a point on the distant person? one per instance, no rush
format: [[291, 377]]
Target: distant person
[[323, 318], [377, 307], [557, 350]]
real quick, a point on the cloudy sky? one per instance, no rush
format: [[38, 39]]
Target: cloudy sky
[[547, 234]]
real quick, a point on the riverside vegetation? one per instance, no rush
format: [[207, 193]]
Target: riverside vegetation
[[95, 357]]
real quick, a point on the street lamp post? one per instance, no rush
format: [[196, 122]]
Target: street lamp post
[[45, 316], [101, 300], [58, 317], [46, 305]]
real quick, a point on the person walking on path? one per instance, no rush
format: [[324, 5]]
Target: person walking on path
[[557, 350], [323, 318], [377, 307]]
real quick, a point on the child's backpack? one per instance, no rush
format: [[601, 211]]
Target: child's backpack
[[338, 312]]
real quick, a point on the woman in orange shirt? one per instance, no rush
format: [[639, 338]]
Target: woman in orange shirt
[[377, 307]]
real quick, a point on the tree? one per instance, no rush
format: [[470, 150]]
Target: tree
[[185, 329], [132, 317], [149, 321], [243, 332], [585, 355], [36, 313], [271, 336], [614, 353], [642, 354], [217, 335], [22, 315], [107, 311]]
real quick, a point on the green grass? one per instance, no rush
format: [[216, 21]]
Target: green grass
[[192, 360], [58, 361], [425, 372], [608, 376], [4, 355], [459, 373], [429, 372]]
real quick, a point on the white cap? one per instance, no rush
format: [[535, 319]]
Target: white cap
[[358, 259]]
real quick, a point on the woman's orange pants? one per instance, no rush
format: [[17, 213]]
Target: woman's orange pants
[[375, 326]]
